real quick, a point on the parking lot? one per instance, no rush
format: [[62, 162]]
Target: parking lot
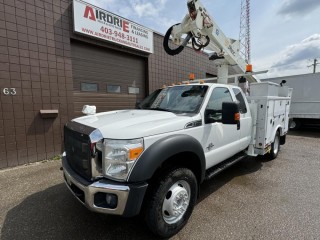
[[254, 199]]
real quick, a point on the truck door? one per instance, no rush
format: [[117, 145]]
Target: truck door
[[245, 119], [220, 141]]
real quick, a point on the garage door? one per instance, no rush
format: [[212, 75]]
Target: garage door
[[109, 79]]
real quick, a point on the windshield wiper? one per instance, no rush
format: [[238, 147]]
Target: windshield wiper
[[161, 109]]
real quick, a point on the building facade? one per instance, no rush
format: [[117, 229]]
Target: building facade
[[48, 72]]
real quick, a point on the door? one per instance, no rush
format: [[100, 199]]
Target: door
[[245, 119], [222, 141], [109, 79]]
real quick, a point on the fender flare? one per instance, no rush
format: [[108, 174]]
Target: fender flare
[[155, 155]]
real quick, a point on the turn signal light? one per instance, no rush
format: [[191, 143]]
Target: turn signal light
[[135, 153]]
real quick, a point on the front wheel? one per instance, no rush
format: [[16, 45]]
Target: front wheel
[[171, 202]]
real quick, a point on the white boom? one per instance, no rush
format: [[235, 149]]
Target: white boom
[[205, 33]]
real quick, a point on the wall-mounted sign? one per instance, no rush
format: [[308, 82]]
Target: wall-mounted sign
[[99, 23]]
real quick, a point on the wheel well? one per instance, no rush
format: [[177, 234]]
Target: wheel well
[[184, 159]]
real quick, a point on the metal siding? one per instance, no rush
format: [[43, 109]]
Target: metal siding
[[91, 64]]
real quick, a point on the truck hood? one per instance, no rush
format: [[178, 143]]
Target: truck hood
[[130, 124]]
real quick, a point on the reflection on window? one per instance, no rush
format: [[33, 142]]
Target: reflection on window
[[133, 90], [214, 108], [180, 99], [239, 96], [113, 89], [89, 87]]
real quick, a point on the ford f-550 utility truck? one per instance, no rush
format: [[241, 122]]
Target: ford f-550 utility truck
[[152, 160]]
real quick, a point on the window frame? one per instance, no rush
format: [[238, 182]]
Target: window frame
[[217, 111]]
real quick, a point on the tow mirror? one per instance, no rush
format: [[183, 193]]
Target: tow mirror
[[230, 113]]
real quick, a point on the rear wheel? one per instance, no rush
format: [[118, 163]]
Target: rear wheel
[[171, 202], [295, 124], [275, 147]]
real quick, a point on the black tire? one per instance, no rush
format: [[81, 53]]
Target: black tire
[[295, 124], [166, 40], [275, 147], [159, 210]]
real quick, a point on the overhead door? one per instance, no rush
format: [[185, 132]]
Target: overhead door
[[109, 79]]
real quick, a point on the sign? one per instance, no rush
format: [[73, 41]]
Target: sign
[[95, 22], [9, 91]]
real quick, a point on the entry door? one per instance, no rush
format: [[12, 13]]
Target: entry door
[[223, 140]]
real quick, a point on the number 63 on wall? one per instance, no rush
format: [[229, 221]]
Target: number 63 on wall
[[9, 91]]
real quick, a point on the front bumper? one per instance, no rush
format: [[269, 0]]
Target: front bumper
[[90, 194]]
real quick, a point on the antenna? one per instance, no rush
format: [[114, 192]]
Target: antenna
[[244, 36]]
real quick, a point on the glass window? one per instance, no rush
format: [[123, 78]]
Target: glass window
[[242, 103], [133, 90], [89, 87], [214, 108], [177, 99], [113, 89], [146, 103]]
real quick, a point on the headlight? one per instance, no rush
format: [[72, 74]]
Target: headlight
[[119, 157]]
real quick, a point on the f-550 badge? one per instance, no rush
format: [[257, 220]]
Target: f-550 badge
[[210, 147]]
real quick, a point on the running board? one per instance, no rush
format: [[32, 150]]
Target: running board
[[215, 170]]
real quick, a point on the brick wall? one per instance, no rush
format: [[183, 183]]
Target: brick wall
[[35, 60], [166, 69]]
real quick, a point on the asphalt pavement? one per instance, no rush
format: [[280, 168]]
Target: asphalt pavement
[[254, 199]]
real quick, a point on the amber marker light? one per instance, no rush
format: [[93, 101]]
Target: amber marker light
[[135, 153], [191, 76], [237, 116], [249, 68]]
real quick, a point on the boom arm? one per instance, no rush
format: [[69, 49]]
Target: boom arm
[[205, 33]]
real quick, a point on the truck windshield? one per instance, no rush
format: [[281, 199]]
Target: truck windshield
[[177, 99]]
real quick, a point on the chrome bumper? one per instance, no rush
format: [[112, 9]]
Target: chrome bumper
[[89, 191]]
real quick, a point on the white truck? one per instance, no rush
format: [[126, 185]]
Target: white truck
[[152, 160], [305, 104]]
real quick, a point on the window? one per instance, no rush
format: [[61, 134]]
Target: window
[[89, 87], [242, 103], [113, 89], [214, 108], [133, 90], [177, 99]]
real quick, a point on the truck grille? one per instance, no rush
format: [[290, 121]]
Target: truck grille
[[78, 152]]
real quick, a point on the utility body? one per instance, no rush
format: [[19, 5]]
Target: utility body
[[152, 160]]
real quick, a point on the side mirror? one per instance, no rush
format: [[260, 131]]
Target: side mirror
[[230, 113]]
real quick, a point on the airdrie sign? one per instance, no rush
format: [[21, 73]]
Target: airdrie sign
[[95, 22]]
